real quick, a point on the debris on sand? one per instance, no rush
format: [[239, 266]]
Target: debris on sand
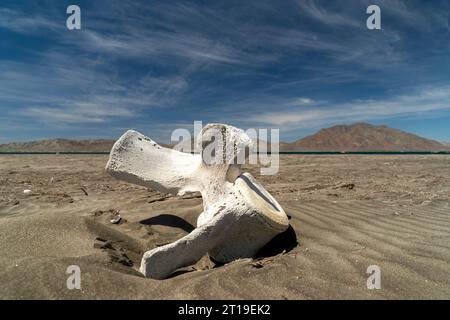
[[349, 186], [116, 216], [114, 254], [105, 245], [112, 215], [84, 191], [27, 191], [257, 265], [115, 220], [121, 258]]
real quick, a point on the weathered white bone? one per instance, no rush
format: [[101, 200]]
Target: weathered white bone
[[239, 215]]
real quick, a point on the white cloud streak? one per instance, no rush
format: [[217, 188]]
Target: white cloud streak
[[321, 113], [19, 22], [187, 40]]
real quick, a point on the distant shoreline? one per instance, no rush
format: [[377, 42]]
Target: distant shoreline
[[281, 152]]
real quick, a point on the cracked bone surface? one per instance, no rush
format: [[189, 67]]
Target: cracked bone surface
[[239, 216]]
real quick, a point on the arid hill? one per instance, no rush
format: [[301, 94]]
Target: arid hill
[[356, 137], [59, 145], [363, 137]]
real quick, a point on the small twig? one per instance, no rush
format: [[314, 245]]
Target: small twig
[[84, 190]]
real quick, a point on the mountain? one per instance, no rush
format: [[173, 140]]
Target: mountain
[[363, 137], [59, 145], [356, 137], [62, 145]]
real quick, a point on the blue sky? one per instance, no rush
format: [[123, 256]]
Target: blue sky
[[155, 66]]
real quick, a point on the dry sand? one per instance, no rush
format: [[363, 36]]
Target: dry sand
[[347, 212]]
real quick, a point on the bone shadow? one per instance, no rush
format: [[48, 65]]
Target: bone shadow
[[283, 242], [169, 220]]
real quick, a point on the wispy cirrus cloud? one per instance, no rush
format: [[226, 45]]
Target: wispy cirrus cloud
[[327, 15], [326, 112], [78, 113], [19, 22], [60, 90], [161, 64]]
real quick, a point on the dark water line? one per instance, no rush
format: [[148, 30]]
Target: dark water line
[[281, 152], [367, 152]]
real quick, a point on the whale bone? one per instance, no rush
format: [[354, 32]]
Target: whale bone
[[239, 216]]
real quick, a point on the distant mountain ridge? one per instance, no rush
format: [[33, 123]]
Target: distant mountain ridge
[[356, 137], [59, 145], [363, 137]]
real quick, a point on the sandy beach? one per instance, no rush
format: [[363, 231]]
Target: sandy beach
[[347, 212]]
